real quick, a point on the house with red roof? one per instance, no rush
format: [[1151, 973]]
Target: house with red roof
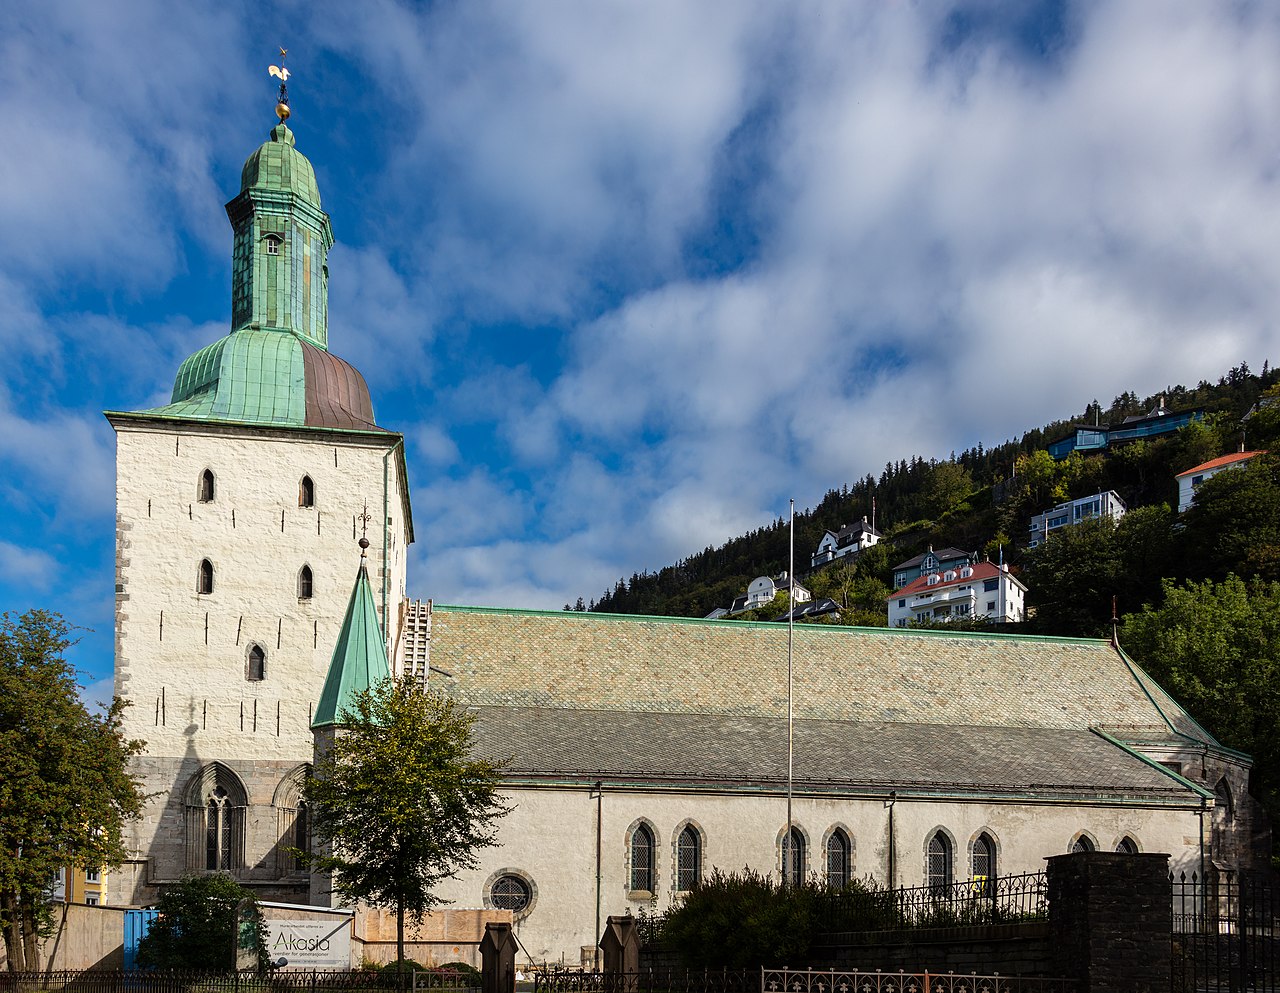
[[1190, 480], [983, 590]]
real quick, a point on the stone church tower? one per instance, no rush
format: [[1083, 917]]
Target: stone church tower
[[236, 510]]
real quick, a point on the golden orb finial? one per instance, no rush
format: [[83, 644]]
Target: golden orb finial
[[282, 74]]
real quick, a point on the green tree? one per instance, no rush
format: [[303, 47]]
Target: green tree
[[1262, 426], [202, 920], [1234, 524], [65, 788], [399, 802], [1216, 647], [946, 484], [1072, 577]]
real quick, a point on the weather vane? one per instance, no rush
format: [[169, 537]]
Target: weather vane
[[364, 520], [282, 74]]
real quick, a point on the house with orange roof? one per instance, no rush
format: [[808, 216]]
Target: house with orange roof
[[1189, 481]]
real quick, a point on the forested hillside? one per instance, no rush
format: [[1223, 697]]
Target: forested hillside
[[981, 499], [1196, 596]]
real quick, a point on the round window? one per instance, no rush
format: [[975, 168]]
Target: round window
[[510, 893]]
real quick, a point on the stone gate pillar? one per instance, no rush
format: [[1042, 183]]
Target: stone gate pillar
[[621, 946], [1110, 921], [498, 958]]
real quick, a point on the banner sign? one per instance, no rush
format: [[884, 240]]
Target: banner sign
[[322, 944]]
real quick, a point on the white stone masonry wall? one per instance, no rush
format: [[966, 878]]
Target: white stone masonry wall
[[182, 657]]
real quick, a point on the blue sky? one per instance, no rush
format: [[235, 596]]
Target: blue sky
[[629, 275]]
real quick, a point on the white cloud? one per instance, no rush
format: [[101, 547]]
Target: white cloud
[[26, 567], [633, 274]]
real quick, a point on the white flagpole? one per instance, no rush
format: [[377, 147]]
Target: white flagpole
[[790, 848]]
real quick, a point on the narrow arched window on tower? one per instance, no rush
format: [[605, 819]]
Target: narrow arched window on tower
[[206, 486], [301, 837], [305, 585], [257, 664], [204, 577], [306, 492], [218, 829], [272, 243]]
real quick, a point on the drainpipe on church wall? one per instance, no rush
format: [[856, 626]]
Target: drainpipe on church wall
[[386, 565], [893, 799], [599, 798]]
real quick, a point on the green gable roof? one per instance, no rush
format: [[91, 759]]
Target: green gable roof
[[359, 657]]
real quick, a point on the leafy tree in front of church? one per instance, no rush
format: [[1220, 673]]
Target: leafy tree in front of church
[[1216, 647], [202, 919], [399, 801], [65, 788]]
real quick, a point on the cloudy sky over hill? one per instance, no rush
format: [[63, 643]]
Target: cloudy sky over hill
[[629, 275]]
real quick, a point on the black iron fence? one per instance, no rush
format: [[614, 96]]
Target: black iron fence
[[835, 981], [1226, 932], [648, 981], [986, 900], [108, 981]]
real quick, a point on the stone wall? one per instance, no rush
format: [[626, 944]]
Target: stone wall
[[1111, 917], [82, 938], [182, 655], [1007, 949]]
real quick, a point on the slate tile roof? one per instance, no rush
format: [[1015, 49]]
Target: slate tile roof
[[570, 660], [1040, 763]]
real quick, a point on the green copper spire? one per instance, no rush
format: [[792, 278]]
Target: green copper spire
[[360, 656], [279, 278], [275, 368]]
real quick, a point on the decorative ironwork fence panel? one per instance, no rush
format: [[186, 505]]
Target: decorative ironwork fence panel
[[1001, 900], [1226, 933], [648, 981], [835, 981], [109, 981]]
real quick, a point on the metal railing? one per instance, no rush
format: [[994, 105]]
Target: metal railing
[[144, 981], [982, 901], [648, 981], [1226, 932], [854, 981]]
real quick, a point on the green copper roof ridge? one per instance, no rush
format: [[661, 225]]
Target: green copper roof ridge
[[359, 659]]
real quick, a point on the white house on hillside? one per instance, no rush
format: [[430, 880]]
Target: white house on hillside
[[983, 590], [761, 590], [849, 540], [1105, 504], [1188, 481]]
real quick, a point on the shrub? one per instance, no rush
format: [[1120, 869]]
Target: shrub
[[198, 927], [743, 921], [468, 975], [403, 965]]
